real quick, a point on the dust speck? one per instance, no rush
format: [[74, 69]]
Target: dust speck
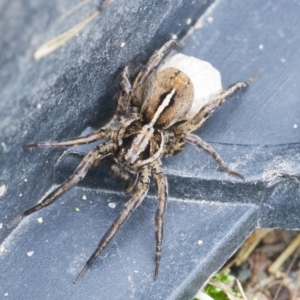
[[29, 253], [122, 45], [4, 147], [188, 21], [2, 190], [39, 220], [295, 126], [210, 20], [198, 25], [112, 205], [200, 242], [2, 249], [83, 197], [261, 47]]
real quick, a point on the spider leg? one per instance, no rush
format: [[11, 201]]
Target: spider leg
[[175, 146], [142, 76], [162, 187], [124, 97], [90, 159], [130, 178], [90, 138], [132, 183], [194, 139], [129, 207], [209, 108]]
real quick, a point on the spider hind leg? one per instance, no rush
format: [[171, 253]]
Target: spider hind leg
[[151, 65], [137, 198], [162, 190]]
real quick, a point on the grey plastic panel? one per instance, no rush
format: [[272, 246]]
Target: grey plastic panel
[[256, 132]]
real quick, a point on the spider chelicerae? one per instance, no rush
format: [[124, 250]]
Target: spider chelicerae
[[154, 118]]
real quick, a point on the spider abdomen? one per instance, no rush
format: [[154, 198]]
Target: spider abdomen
[[204, 79], [158, 87]]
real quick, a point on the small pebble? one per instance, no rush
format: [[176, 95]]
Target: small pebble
[[83, 197], [122, 45], [76, 209]]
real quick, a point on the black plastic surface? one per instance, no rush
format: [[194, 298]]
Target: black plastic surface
[[256, 132]]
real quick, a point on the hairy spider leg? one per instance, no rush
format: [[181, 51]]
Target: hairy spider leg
[[162, 190], [139, 195], [124, 96], [208, 109], [176, 144], [196, 140], [189, 126], [93, 157], [131, 179], [147, 69], [102, 133]]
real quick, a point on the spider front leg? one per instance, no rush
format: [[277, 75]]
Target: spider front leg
[[139, 195], [93, 157], [142, 76], [162, 188], [102, 133], [124, 97]]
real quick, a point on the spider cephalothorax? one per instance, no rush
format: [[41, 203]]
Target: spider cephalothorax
[[154, 118]]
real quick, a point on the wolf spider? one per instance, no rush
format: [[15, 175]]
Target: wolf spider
[[154, 118]]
